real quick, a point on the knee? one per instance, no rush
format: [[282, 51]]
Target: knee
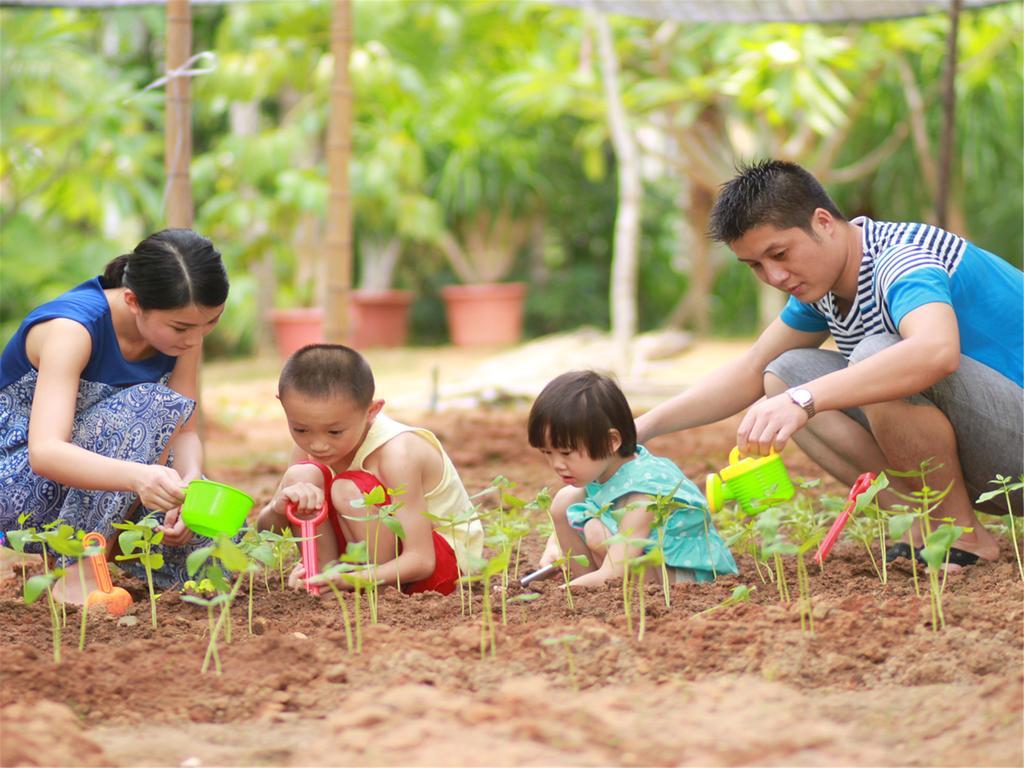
[[560, 503], [773, 385], [594, 535], [343, 493], [872, 345]]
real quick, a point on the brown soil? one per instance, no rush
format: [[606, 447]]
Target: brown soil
[[874, 685]]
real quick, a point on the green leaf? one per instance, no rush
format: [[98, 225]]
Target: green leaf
[[231, 555], [36, 585], [196, 558], [900, 524]]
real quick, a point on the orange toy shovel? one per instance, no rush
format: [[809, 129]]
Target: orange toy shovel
[[115, 599]]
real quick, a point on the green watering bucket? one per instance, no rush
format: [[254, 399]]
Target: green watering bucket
[[215, 509], [753, 483]]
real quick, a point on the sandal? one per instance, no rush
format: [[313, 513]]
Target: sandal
[[957, 556]]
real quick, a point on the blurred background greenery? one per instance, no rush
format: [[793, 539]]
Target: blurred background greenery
[[465, 111]]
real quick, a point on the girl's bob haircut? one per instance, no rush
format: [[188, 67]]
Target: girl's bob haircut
[[576, 411]]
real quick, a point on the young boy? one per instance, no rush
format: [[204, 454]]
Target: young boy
[[344, 448]]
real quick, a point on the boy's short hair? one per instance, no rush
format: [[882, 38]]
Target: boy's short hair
[[328, 370], [576, 410], [773, 192]]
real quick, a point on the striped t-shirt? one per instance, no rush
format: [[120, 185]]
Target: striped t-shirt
[[906, 266]]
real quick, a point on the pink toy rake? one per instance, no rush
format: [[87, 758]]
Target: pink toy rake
[[862, 484], [307, 531]]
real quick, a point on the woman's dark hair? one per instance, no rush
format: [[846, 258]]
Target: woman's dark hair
[[328, 370], [576, 410], [768, 192], [170, 269]]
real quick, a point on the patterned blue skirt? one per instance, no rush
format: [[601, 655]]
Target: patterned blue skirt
[[131, 424]]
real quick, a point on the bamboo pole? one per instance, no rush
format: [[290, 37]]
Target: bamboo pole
[[178, 116], [948, 118], [339, 202]]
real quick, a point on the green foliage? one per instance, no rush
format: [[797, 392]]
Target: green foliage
[[467, 107]]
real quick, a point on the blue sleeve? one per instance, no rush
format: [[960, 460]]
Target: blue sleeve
[[803, 317], [926, 285]]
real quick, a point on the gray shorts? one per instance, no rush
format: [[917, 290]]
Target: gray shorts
[[985, 408]]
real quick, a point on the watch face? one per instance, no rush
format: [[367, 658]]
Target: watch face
[[801, 396]]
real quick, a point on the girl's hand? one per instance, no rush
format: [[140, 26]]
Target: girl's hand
[[552, 551], [159, 487], [308, 498]]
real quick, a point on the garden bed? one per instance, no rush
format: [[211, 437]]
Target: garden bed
[[873, 685]]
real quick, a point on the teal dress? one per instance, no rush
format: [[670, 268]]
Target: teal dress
[[690, 539]]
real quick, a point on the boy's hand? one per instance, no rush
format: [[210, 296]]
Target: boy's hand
[[308, 499]]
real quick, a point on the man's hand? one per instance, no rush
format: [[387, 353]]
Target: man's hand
[[769, 424]]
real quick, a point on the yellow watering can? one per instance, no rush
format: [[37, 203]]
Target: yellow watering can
[[755, 483]]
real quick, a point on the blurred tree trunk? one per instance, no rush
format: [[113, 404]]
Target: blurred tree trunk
[[178, 117], [627, 217], [338, 251]]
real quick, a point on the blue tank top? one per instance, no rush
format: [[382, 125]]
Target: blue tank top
[[85, 304]]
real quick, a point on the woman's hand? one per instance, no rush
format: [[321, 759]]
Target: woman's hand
[[159, 487]]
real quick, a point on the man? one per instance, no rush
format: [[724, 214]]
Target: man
[[930, 332]]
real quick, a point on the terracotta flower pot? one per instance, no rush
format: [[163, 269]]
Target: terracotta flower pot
[[485, 314], [379, 318], [295, 328]]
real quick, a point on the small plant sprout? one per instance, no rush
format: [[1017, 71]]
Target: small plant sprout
[[450, 524], [34, 587], [330, 575], [566, 641], [925, 501], [899, 524], [740, 594], [212, 561], [260, 556], [767, 525], [484, 573], [285, 550], [1006, 487], [524, 599], [137, 542], [564, 564], [625, 539], [637, 566], [663, 507], [384, 516], [17, 540], [806, 527], [936, 553]]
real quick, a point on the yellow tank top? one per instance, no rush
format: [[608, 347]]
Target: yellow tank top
[[448, 500]]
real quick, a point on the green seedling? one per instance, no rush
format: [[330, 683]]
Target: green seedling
[[17, 539], [936, 554], [137, 541], [899, 525], [740, 594], [384, 516], [637, 567], [868, 522], [221, 600], [260, 556], [806, 527], [566, 641], [451, 524], [214, 562], [767, 524], [329, 576], [65, 541], [523, 599], [33, 588], [663, 508], [484, 571], [738, 532], [285, 550], [564, 564], [1006, 487], [627, 541], [925, 501]]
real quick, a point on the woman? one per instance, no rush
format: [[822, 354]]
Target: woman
[[97, 388]]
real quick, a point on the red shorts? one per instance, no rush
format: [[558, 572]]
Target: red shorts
[[446, 570]]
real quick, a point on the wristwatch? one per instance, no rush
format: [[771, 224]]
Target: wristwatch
[[803, 398]]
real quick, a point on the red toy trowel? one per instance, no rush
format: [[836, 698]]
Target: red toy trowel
[[863, 483]]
